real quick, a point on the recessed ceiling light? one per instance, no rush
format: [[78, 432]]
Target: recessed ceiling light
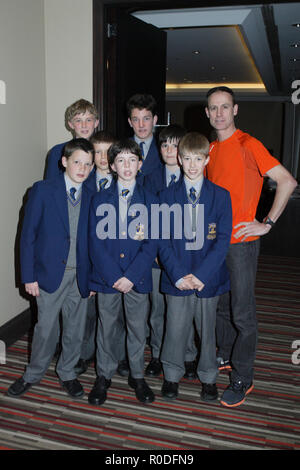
[[296, 25], [196, 52], [295, 60], [295, 45]]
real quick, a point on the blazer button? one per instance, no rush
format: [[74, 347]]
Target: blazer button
[[122, 255]]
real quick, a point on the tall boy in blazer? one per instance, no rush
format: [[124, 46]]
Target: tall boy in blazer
[[55, 267], [122, 255], [195, 272], [159, 179], [142, 118]]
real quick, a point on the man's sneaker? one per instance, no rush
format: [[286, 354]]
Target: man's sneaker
[[235, 394], [223, 364], [209, 392]]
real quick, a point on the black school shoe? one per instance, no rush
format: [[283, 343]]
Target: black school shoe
[[209, 392], [18, 388], [98, 395], [154, 368], [72, 387], [169, 390], [142, 390], [190, 370], [123, 368]]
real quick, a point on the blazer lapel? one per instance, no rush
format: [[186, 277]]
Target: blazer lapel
[[60, 197]]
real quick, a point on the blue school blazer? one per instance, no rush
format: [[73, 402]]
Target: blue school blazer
[[53, 161], [208, 262], [151, 162], [118, 256], [156, 180], [90, 182], [45, 237]]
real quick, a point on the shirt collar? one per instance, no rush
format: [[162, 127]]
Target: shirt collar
[[121, 187], [197, 185], [169, 173], [100, 176], [70, 184]]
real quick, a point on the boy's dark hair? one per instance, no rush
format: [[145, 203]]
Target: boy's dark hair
[[78, 144], [221, 88], [193, 142], [171, 132], [123, 145], [102, 136], [141, 101]]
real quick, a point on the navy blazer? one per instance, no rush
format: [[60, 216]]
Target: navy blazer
[[91, 181], [156, 180], [151, 162], [45, 238], [54, 166], [207, 263], [118, 255]]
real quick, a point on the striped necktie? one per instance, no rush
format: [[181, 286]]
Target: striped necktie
[[193, 194], [125, 193], [72, 193], [102, 183], [172, 180], [141, 144]]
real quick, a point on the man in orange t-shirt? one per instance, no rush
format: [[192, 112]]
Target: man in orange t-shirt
[[238, 163]]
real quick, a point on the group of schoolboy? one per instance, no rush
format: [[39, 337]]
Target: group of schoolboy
[[87, 234]]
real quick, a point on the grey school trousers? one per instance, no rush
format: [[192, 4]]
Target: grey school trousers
[[182, 311], [110, 332], [157, 319], [67, 299]]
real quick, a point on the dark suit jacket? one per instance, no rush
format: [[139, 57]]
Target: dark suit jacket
[[151, 162], [156, 180], [208, 262], [54, 167], [45, 238], [118, 255]]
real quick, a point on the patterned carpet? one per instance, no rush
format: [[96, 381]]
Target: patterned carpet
[[46, 418]]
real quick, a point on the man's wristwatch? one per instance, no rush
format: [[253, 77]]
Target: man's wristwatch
[[268, 221]]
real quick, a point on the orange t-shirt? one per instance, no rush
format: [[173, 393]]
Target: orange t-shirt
[[238, 164]]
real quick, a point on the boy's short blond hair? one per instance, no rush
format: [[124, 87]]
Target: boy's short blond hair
[[79, 107], [193, 142]]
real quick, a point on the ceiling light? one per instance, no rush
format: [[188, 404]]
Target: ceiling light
[[196, 52], [295, 45], [296, 25], [294, 60], [199, 86]]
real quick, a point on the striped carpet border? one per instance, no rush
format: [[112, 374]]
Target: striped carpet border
[[46, 418]]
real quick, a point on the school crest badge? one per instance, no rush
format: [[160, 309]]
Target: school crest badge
[[212, 231]]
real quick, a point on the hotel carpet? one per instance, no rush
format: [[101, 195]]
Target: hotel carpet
[[45, 418]]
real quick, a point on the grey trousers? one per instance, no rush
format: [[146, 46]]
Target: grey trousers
[[110, 332], [89, 339], [67, 299], [157, 321], [181, 312]]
